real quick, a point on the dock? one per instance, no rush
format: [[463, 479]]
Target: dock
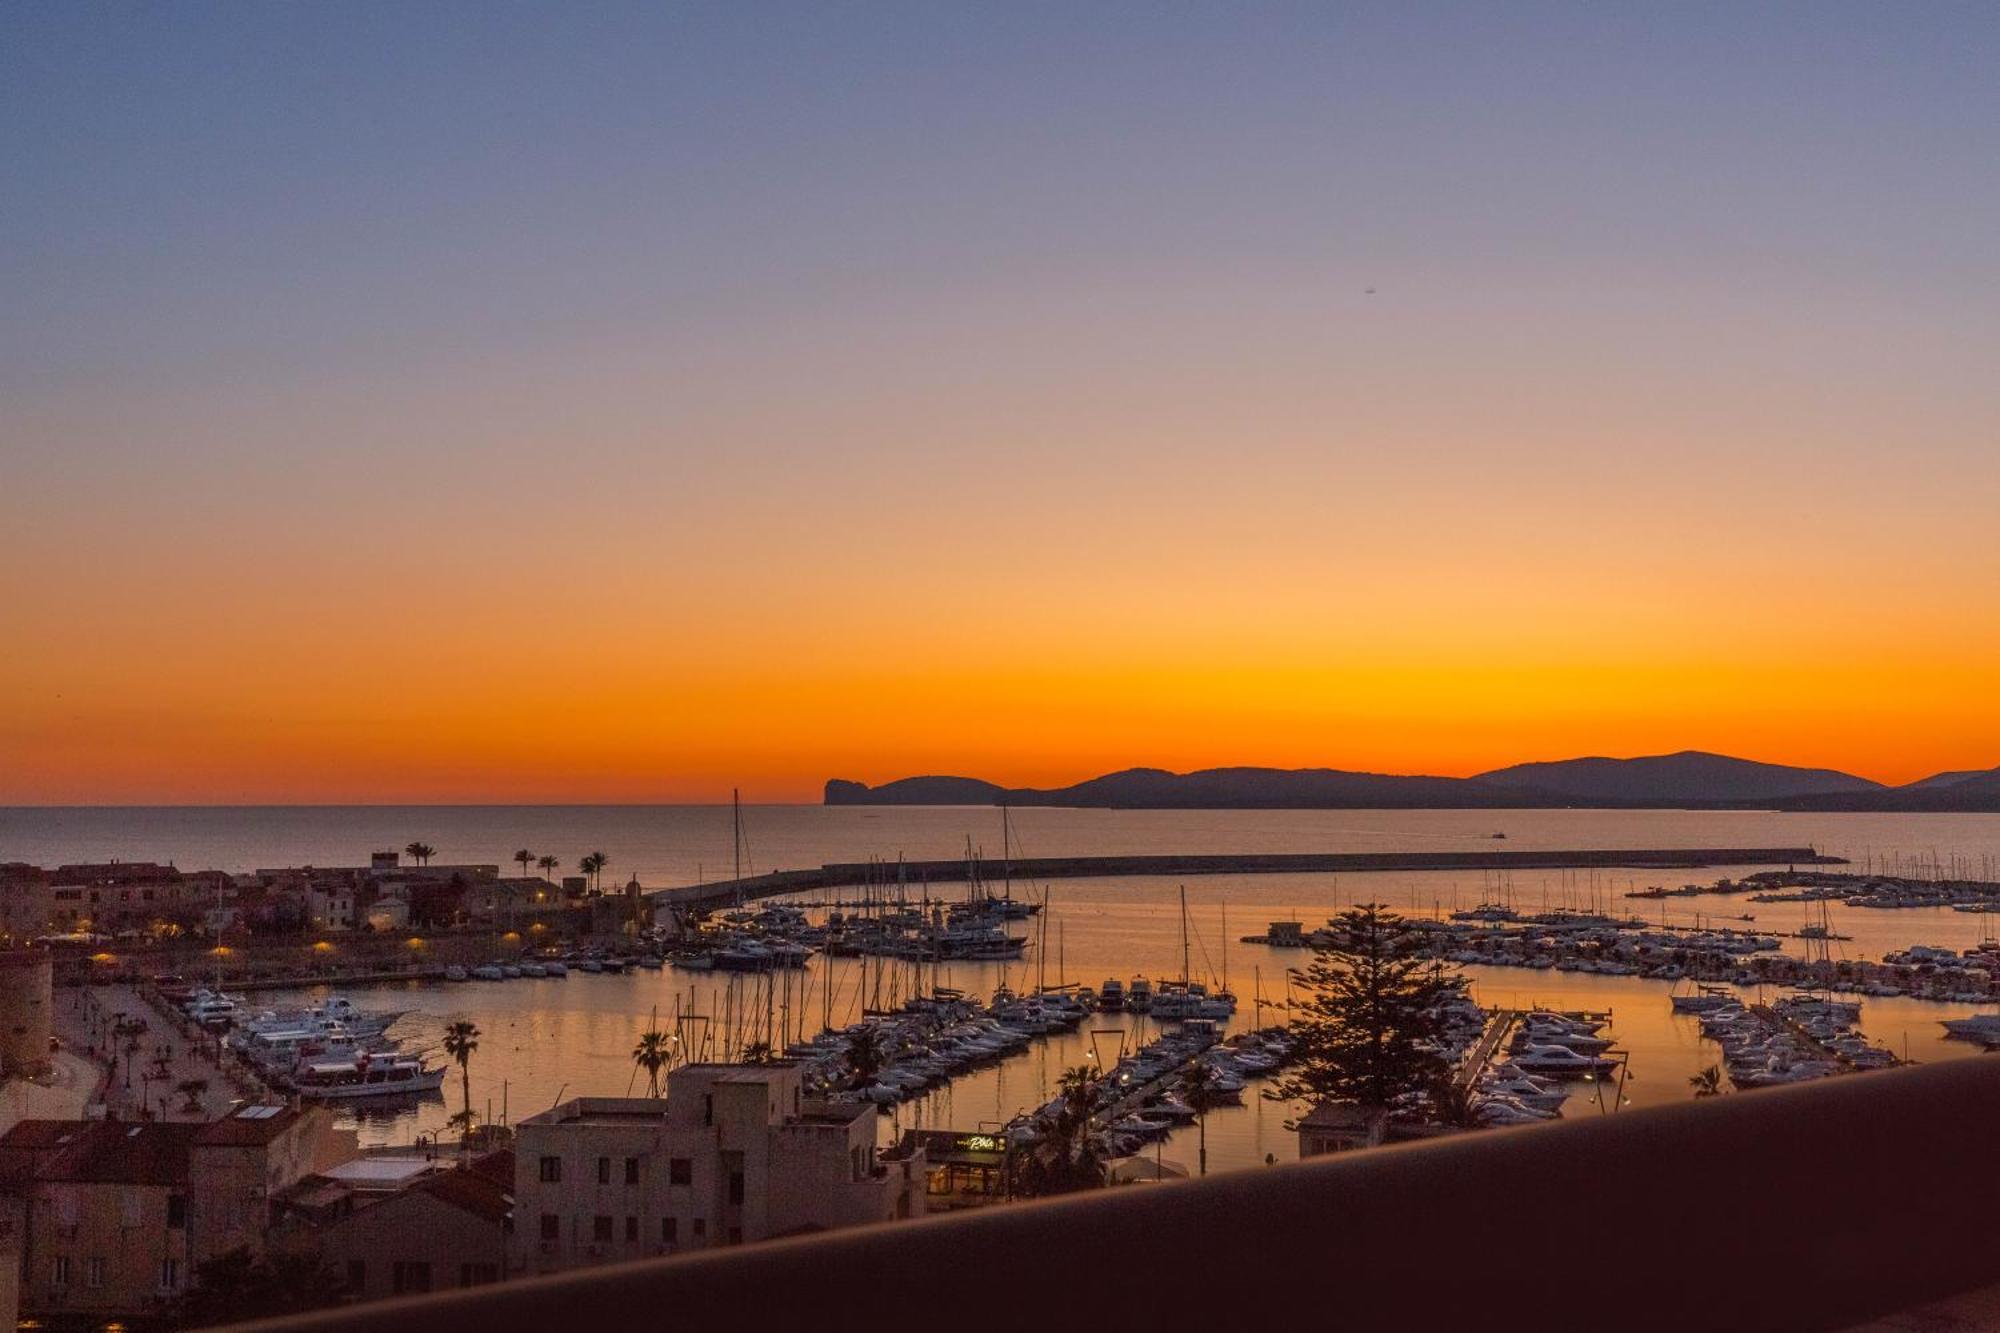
[[900, 876], [1497, 1027]]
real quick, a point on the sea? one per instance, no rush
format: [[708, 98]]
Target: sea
[[547, 1039]]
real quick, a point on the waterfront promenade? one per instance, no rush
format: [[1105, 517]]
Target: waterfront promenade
[[151, 1056]]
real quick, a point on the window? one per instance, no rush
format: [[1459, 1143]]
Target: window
[[551, 1227], [700, 1227], [708, 1108], [59, 1271], [552, 1170], [735, 1235], [409, 1275], [177, 1210], [669, 1231], [604, 1170], [93, 1272], [631, 1170], [357, 1276], [680, 1170], [478, 1275], [736, 1187], [631, 1229], [170, 1275], [600, 1229]]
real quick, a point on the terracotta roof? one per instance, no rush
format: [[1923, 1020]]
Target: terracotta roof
[[467, 1188], [120, 1152], [42, 1133], [496, 1166]]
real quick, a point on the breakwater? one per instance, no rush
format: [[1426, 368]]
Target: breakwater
[[916, 873]]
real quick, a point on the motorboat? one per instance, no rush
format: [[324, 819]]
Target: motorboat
[[1706, 1000], [1582, 1043], [1979, 1027], [1562, 1061]]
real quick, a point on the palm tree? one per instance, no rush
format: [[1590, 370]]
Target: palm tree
[[652, 1054], [1198, 1085], [420, 852], [1453, 1104], [757, 1053], [190, 1090], [526, 858], [463, 1122], [1068, 1152], [1708, 1083], [461, 1039], [593, 865], [548, 865], [865, 1057]]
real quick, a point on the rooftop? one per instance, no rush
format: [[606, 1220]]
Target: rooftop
[[248, 1126], [601, 1111], [117, 1152]]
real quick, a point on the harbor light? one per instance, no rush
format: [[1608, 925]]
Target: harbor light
[[323, 946], [414, 942], [102, 958]]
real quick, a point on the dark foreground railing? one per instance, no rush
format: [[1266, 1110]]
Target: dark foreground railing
[[1805, 1208]]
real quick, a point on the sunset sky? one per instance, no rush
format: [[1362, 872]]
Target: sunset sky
[[604, 402]]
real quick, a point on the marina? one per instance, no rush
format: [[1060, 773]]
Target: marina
[[1121, 939]]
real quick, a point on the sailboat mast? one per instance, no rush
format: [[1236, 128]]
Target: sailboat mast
[[1006, 855], [1184, 940]]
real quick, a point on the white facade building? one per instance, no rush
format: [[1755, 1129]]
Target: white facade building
[[732, 1154]]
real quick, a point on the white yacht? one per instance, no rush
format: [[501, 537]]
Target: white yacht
[[1979, 1027], [1561, 1060], [363, 1076]]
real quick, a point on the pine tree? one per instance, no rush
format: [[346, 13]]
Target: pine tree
[[1370, 1028]]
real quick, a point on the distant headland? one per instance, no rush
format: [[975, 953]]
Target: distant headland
[[1690, 778]]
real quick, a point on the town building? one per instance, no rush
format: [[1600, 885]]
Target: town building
[[960, 1170], [115, 898], [732, 1154], [116, 1216], [393, 1224]]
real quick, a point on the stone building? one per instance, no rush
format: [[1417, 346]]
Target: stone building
[[396, 1226], [25, 1013], [116, 1216], [732, 1154]]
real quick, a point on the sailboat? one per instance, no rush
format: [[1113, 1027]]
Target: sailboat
[[1190, 998]]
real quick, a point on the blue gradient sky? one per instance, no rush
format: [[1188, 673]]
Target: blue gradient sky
[[637, 367]]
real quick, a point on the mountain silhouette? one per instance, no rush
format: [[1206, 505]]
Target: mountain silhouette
[[1691, 775], [1690, 778]]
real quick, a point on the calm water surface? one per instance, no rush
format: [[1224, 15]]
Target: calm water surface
[[546, 1039]]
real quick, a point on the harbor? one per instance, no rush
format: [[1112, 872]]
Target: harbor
[[559, 1009]]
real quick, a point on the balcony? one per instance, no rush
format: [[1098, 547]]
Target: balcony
[[1817, 1207]]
